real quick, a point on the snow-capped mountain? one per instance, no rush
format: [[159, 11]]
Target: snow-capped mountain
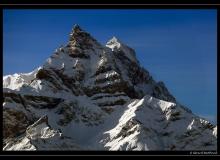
[[87, 96]]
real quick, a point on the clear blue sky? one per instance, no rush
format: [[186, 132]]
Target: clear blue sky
[[178, 47]]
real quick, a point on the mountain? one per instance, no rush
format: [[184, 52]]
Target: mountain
[[87, 96]]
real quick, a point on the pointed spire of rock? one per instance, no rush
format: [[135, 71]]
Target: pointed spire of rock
[[79, 37], [77, 28]]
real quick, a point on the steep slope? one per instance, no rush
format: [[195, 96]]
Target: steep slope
[[40, 136], [153, 124], [84, 87]]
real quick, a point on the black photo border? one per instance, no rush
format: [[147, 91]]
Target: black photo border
[[24, 5]]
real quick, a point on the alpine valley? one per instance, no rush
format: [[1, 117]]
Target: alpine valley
[[87, 96]]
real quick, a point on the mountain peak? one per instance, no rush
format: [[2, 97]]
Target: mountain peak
[[114, 42], [84, 88], [115, 39], [79, 37], [77, 28], [117, 46]]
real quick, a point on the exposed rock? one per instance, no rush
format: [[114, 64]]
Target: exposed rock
[[42, 74], [14, 123], [42, 101], [92, 97], [40, 136]]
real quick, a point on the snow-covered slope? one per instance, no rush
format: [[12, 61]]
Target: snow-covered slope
[[153, 124], [16, 81], [40, 136], [87, 96]]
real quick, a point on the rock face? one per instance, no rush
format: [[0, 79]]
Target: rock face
[[40, 136], [92, 97]]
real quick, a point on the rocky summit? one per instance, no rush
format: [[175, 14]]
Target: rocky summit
[[87, 96]]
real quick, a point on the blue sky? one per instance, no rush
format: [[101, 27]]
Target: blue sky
[[178, 47]]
